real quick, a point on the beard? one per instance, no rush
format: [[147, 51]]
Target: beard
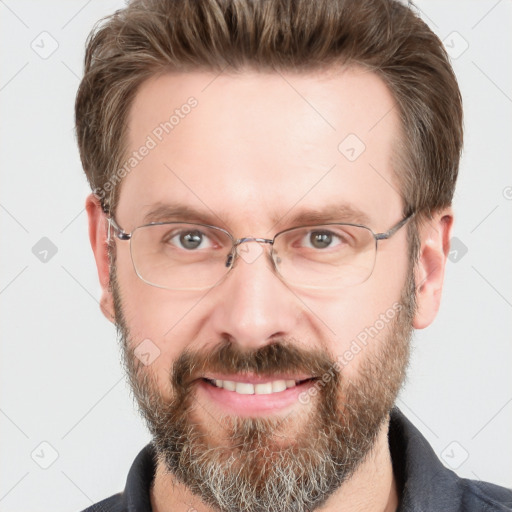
[[291, 464]]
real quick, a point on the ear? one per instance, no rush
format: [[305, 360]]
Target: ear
[[98, 234], [435, 235]]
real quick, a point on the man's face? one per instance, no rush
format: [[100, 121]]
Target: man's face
[[258, 153]]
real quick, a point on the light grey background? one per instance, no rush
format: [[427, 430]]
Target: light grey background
[[60, 377]]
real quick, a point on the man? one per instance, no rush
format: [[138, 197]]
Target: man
[[270, 220]]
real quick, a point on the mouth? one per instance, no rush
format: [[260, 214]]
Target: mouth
[[259, 388], [253, 396]]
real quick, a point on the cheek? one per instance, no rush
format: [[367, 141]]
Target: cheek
[[349, 321], [164, 325], [359, 320], [161, 322]]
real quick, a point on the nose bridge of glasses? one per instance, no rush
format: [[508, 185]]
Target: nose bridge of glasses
[[252, 239], [248, 252]]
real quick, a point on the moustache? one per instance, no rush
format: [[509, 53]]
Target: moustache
[[280, 357]]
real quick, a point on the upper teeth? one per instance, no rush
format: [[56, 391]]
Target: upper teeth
[[245, 388]]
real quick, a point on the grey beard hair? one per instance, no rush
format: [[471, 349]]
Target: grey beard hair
[[297, 483], [251, 470], [254, 474]]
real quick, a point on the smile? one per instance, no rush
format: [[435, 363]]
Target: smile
[[253, 395], [247, 388]]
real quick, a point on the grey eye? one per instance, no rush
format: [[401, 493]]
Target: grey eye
[[191, 240], [320, 239]]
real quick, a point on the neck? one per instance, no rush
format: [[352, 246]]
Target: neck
[[371, 487]]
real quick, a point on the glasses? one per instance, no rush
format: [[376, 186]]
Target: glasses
[[190, 256]]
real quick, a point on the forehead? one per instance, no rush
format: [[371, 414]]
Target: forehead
[[257, 146]]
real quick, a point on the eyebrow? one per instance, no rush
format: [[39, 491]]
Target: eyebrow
[[163, 212], [330, 213]]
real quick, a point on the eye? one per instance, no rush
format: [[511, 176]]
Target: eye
[[321, 239], [190, 240]]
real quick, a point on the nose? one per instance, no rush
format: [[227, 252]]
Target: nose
[[252, 305]]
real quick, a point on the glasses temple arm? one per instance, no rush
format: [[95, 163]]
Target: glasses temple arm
[[120, 233], [394, 229]]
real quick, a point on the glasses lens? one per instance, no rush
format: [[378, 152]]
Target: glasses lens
[[329, 256], [180, 256]]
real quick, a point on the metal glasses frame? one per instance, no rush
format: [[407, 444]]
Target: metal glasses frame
[[231, 259]]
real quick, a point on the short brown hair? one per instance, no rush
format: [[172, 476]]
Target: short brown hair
[[150, 37]]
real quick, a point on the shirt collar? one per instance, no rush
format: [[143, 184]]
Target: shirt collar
[[418, 472]]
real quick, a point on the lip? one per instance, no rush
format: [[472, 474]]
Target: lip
[[235, 404]]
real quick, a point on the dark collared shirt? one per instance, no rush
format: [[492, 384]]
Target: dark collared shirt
[[425, 485]]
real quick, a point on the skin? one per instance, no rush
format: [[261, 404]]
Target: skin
[[255, 152]]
